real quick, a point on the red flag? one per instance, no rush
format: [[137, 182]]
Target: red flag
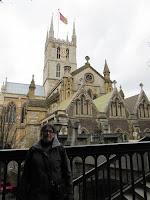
[[63, 19]]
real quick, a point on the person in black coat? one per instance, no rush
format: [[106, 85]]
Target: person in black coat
[[47, 174]]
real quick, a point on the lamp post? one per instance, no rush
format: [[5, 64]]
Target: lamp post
[[57, 126]]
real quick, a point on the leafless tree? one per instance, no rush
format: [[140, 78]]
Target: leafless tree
[[7, 130]]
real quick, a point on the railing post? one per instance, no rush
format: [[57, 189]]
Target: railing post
[[120, 176], [84, 180], [96, 179], [143, 174], [126, 161], [18, 177], [132, 176], [5, 179], [108, 177]]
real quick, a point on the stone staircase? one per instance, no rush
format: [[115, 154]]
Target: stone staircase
[[139, 192]]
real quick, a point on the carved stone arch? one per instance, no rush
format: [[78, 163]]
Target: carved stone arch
[[11, 112], [147, 130], [84, 131], [118, 130]]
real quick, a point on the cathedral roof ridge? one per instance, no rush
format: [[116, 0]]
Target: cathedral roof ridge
[[22, 88], [9, 82]]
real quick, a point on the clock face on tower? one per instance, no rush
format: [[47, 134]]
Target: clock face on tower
[[63, 52], [89, 77]]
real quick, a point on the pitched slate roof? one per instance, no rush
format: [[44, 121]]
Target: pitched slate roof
[[102, 101], [131, 102], [64, 104], [20, 88]]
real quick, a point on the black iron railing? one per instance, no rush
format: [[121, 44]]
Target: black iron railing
[[108, 171]]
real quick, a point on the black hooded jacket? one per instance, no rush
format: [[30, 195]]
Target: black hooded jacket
[[41, 160]]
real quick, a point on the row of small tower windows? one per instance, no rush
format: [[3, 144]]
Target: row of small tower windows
[[63, 52]]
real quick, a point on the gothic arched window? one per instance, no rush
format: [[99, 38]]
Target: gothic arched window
[[58, 52], [67, 53], [82, 105], [58, 70], [23, 113], [87, 107], [76, 107], [11, 113], [116, 106]]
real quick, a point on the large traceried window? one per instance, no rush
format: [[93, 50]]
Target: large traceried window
[[58, 70], [58, 52], [11, 112]]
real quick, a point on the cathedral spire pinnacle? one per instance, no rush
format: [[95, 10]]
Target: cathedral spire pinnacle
[[74, 31], [31, 93], [106, 72], [106, 69], [121, 92], [74, 35], [67, 37], [51, 31], [47, 36]]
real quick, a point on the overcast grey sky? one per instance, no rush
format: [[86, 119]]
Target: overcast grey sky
[[115, 30]]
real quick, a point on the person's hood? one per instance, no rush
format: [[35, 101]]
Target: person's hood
[[39, 146]]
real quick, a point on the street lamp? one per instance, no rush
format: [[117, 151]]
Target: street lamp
[[57, 126]]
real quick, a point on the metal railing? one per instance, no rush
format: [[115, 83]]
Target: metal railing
[[107, 171]]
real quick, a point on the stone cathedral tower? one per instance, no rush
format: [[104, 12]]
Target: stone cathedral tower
[[58, 53]]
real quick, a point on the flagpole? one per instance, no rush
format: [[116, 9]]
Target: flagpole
[[58, 24]]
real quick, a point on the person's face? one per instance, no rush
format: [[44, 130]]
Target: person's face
[[48, 134]]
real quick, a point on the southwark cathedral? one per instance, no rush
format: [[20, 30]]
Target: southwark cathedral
[[84, 102]]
